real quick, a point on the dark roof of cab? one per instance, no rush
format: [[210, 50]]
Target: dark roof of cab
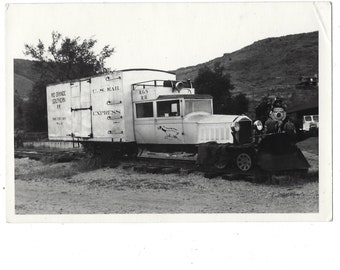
[[185, 96]]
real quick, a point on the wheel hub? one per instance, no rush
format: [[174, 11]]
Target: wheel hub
[[243, 162]]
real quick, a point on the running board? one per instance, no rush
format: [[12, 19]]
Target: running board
[[172, 156]]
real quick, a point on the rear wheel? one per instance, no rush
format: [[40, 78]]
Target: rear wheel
[[244, 162], [222, 161], [220, 165]]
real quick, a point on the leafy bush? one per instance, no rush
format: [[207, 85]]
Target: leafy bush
[[216, 83], [64, 59]]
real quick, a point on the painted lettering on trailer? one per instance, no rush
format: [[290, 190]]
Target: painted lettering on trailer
[[109, 112], [143, 94], [59, 120], [106, 89], [58, 97]]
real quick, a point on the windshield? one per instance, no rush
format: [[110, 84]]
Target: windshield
[[308, 118], [198, 105], [316, 118]]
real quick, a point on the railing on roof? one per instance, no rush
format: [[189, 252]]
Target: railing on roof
[[161, 83]]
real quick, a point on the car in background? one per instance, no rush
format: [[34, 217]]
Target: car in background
[[310, 123]]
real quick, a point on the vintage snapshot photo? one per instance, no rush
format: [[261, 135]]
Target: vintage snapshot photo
[[144, 112]]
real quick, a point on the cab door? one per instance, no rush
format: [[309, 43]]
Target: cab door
[[169, 122], [144, 122], [81, 109]]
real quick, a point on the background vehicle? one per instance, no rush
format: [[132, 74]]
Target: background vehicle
[[310, 123]]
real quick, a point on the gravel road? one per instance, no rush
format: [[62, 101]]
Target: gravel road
[[61, 188]]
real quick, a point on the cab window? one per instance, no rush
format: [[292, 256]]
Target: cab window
[[196, 105], [308, 118], [144, 110], [168, 108]]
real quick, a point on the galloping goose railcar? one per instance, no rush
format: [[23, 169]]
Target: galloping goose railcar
[[140, 108]]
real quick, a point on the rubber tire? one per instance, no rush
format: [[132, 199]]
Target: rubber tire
[[220, 165], [244, 162]]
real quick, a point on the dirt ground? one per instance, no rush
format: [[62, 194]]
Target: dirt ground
[[64, 188]]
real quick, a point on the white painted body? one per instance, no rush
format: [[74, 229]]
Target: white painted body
[[196, 128], [111, 115], [104, 108]]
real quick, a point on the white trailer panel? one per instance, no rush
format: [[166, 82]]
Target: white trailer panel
[[99, 108], [59, 116], [107, 108], [81, 109]]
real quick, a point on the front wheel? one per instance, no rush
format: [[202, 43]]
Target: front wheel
[[244, 162]]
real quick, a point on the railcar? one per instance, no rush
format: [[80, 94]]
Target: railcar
[[138, 110]]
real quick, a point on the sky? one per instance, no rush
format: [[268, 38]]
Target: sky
[[158, 35]]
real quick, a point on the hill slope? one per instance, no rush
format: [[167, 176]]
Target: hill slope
[[26, 73], [272, 65], [23, 85]]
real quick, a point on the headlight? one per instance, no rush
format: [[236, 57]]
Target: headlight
[[235, 126], [258, 125], [179, 86]]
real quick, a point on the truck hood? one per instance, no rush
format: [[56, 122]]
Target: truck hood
[[205, 118]]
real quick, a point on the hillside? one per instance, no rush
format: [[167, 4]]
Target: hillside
[[26, 73], [23, 85], [272, 65]]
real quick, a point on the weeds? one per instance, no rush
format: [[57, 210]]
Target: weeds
[[141, 183], [89, 164], [37, 170]]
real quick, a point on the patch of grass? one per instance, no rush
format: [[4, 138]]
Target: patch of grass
[[49, 171], [55, 166], [48, 159], [62, 171], [310, 145], [153, 183], [89, 164], [311, 176], [61, 157]]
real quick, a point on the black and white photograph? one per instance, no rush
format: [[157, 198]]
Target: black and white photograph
[[190, 111]]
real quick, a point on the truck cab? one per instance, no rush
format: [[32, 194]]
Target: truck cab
[[169, 112]]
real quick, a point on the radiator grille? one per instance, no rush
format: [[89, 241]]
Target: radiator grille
[[214, 133], [245, 133]]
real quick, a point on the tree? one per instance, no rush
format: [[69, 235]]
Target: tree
[[263, 109], [215, 83], [64, 59], [70, 58], [218, 85], [36, 108], [242, 103], [238, 104]]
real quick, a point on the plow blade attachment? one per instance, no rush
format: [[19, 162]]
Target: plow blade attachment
[[278, 152]]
